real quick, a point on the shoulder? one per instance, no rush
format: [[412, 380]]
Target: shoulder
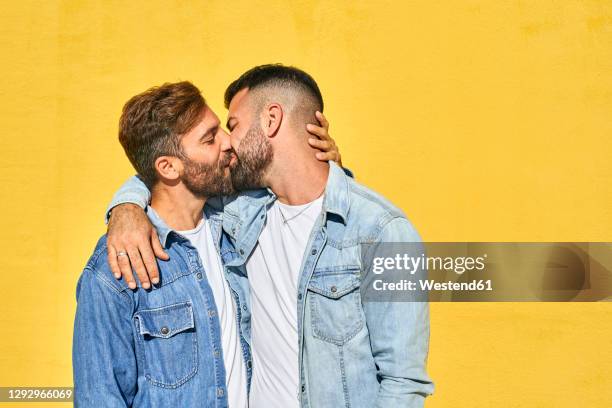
[[365, 200], [374, 212], [98, 271]]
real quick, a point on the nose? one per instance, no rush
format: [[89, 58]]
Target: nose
[[234, 140], [225, 140]]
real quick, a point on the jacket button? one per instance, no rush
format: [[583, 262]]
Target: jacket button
[[164, 330], [314, 252], [199, 275], [334, 289], [220, 392], [303, 388], [299, 296], [216, 353], [211, 313], [244, 307], [242, 252]]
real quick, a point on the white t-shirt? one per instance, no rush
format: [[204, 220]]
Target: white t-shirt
[[235, 372], [273, 269]]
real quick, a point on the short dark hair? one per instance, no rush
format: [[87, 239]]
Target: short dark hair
[[275, 75], [153, 122]]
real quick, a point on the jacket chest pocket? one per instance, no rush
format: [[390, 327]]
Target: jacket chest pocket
[[335, 305], [167, 343]]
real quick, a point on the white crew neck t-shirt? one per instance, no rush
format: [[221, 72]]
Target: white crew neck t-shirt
[[273, 269], [235, 371]]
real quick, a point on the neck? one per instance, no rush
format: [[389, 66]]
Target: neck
[[177, 206], [298, 178]]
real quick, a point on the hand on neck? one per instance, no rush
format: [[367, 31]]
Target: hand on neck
[[180, 209]]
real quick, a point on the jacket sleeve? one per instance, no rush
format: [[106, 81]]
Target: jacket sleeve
[[399, 336], [103, 354], [132, 191]]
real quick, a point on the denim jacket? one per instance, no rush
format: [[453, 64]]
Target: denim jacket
[[158, 347], [351, 353]]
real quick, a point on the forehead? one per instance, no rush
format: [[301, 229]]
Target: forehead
[[239, 102], [209, 117], [207, 120]]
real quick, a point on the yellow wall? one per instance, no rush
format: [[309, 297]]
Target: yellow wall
[[484, 120]]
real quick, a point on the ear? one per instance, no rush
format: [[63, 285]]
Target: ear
[[168, 167], [273, 117]]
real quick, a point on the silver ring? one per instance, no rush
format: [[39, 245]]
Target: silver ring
[[121, 254]]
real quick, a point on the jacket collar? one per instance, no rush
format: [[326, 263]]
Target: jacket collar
[[160, 226], [337, 199], [163, 230]]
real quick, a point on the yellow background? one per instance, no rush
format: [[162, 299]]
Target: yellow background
[[483, 120]]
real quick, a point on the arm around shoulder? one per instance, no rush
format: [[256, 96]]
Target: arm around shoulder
[[133, 191]]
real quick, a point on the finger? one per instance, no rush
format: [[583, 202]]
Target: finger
[[322, 119], [318, 131], [327, 156], [157, 246], [112, 261], [322, 145], [150, 263], [126, 269], [138, 265]]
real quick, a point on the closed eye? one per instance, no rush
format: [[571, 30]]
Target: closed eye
[[209, 136], [231, 124]]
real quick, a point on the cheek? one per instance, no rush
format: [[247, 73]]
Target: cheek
[[235, 139], [206, 155]]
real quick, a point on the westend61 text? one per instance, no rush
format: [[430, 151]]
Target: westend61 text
[[430, 285]]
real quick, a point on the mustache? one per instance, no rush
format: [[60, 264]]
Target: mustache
[[227, 158]]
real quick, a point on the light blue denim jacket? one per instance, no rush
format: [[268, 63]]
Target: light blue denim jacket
[[351, 353], [158, 347]]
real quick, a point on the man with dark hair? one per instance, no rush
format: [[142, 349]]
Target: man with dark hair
[[315, 342], [180, 343], [294, 90]]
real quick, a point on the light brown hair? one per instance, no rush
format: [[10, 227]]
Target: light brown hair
[[153, 122]]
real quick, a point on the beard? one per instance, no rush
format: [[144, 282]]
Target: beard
[[253, 159], [207, 180]]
